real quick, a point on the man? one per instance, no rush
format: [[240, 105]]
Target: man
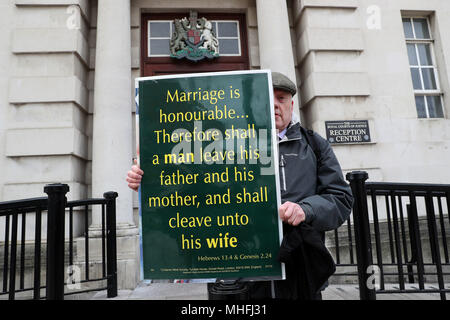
[[313, 192], [315, 197]]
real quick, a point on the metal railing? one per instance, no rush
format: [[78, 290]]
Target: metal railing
[[398, 237], [56, 254]]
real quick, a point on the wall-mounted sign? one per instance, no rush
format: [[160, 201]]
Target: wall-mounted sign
[[210, 194], [350, 131], [193, 39]]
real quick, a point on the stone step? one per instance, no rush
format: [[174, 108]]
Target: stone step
[[198, 291]]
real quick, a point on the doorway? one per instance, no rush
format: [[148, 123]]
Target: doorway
[[230, 30]]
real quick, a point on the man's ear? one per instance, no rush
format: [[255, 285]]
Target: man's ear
[[292, 105]]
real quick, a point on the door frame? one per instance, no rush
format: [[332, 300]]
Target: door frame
[[165, 65]]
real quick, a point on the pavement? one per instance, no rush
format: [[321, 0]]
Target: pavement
[[198, 291]]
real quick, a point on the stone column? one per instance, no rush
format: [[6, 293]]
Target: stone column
[[275, 45], [112, 132], [112, 149]]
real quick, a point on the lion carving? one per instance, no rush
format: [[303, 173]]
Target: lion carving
[[177, 42]]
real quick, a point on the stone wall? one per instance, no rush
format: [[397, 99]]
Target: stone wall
[[45, 105], [353, 64]]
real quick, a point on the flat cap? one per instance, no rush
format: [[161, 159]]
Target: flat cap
[[280, 81]]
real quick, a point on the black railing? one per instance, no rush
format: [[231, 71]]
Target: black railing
[[58, 259], [11, 211], [398, 236]]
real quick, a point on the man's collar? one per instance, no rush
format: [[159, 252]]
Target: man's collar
[[293, 130], [282, 133]]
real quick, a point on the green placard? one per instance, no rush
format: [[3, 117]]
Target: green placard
[[209, 194]]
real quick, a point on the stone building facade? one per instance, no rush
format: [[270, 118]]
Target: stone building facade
[[67, 70]]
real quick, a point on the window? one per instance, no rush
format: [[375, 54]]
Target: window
[[424, 75], [157, 29], [159, 33], [226, 31]]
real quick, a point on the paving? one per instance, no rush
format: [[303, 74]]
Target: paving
[[198, 291]]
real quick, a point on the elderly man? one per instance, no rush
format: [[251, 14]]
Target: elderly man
[[315, 199]]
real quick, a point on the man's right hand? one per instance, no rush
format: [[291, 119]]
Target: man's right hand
[[291, 213], [134, 176]]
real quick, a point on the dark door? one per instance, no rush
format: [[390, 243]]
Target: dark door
[[230, 29]]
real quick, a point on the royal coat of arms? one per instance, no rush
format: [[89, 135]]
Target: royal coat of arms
[[193, 39]]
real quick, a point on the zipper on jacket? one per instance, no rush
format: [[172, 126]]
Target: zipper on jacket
[[288, 140], [283, 174]]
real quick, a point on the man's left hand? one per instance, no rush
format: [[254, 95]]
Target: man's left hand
[[291, 213]]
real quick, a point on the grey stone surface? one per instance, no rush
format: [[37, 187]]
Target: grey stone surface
[[351, 292], [161, 291], [198, 291]]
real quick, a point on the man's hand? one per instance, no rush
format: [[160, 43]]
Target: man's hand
[[134, 176], [291, 213]]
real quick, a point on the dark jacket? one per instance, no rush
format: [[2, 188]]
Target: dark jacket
[[308, 263], [320, 189]]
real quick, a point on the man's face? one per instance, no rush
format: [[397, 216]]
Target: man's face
[[284, 105]]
